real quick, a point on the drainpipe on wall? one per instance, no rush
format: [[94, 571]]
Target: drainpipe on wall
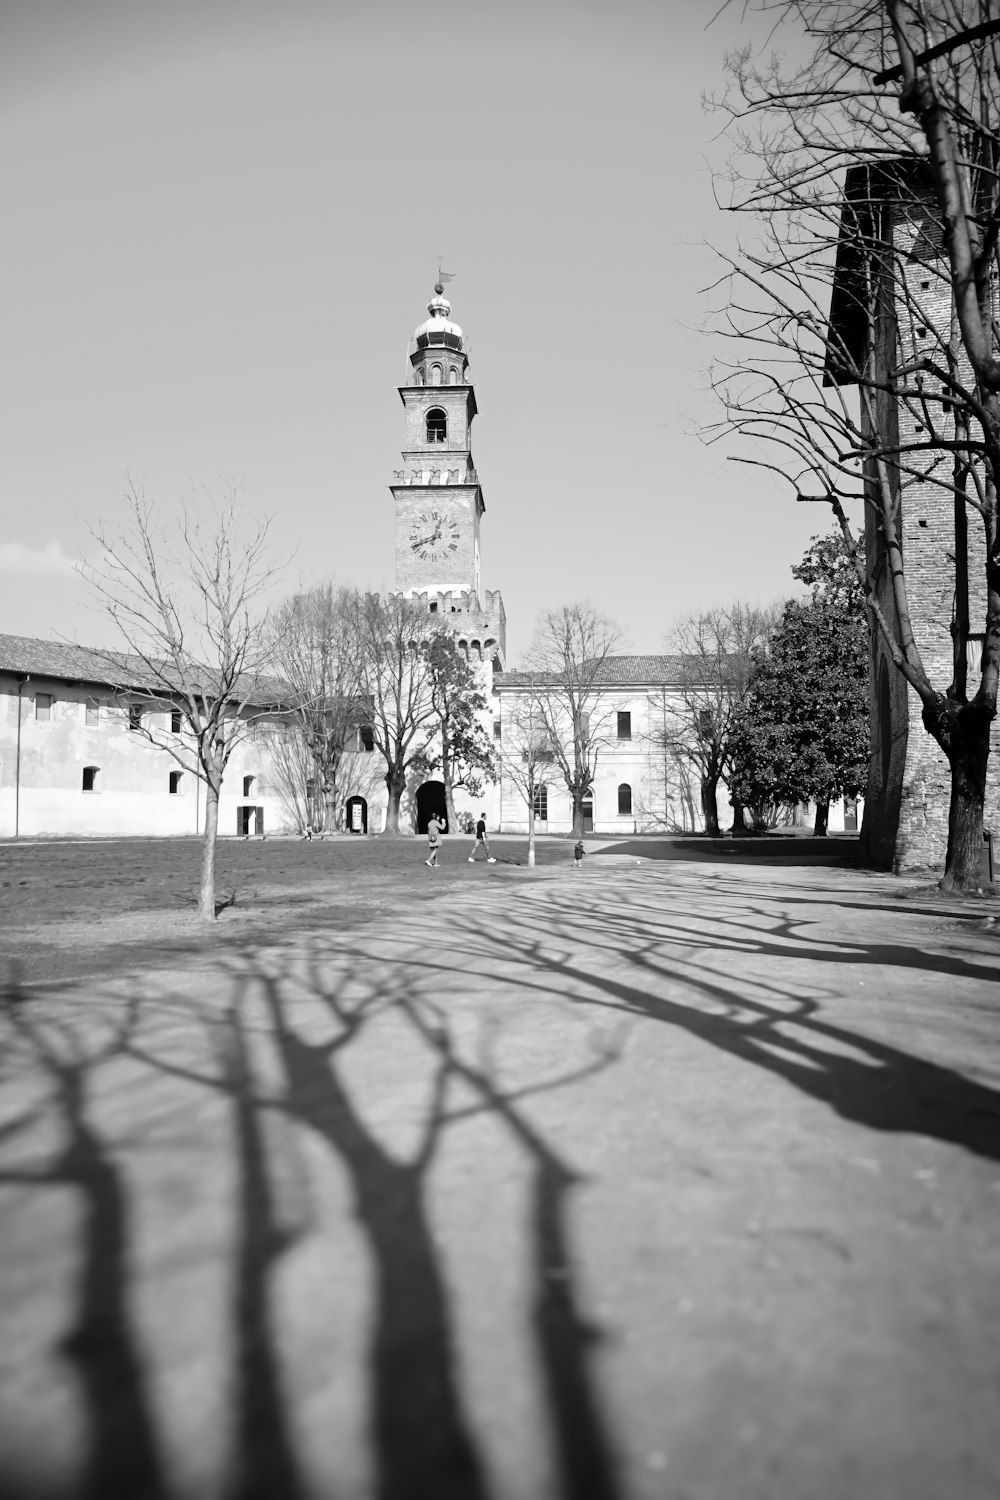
[[17, 759]]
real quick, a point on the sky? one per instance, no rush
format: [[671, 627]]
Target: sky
[[224, 218]]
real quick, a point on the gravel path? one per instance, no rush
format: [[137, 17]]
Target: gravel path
[[668, 1181]]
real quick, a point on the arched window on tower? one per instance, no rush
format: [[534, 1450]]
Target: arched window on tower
[[435, 374], [437, 425], [418, 376], [453, 376]]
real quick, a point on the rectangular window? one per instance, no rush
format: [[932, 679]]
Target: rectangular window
[[90, 778], [93, 714], [624, 726], [135, 716], [540, 804], [497, 729], [175, 783], [175, 721], [43, 707], [366, 739]]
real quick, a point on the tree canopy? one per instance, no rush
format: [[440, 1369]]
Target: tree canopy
[[802, 732]]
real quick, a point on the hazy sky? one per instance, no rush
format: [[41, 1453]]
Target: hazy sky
[[223, 222]]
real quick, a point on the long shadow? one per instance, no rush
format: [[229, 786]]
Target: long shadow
[[836, 853], [783, 939], [421, 1438], [881, 1086], [123, 1459], [264, 1463], [564, 1338]]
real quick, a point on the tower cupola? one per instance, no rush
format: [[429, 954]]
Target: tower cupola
[[437, 355]]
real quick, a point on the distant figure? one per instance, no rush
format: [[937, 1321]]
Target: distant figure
[[433, 841], [307, 832], [578, 852], [482, 842]]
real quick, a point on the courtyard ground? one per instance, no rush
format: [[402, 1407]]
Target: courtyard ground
[[674, 1178]]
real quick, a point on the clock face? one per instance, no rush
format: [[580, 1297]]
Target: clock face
[[434, 536]]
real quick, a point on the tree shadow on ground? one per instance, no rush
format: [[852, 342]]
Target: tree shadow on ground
[[862, 1079], [422, 1439], [835, 853], [122, 1458]]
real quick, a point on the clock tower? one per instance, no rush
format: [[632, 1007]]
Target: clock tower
[[439, 500]]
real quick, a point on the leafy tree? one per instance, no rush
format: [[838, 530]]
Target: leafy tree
[[189, 601], [466, 757], [869, 160], [568, 682], [801, 733], [716, 651]]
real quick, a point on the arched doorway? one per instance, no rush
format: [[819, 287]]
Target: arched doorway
[[356, 815], [431, 804], [588, 814]]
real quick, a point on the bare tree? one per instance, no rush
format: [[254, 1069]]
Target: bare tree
[[524, 751], [395, 680], [189, 603], [569, 662], [318, 657], [873, 170], [716, 649]]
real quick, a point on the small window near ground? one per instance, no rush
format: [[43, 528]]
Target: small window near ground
[[434, 608], [93, 713], [540, 804], [90, 774], [624, 726], [43, 707], [175, 721], [248, 782], [135, 716], [624, 800], [176, 777]]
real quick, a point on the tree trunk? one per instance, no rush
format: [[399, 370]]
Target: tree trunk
[[446, 779], [206, 899], [963, 732], [739, 822], [578, 815], [822, 819], [531, 832], [395, 785], [709, 805]]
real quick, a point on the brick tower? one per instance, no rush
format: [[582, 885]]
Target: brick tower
[[439, 500]]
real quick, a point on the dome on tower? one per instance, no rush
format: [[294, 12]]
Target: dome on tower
[[439, 329]]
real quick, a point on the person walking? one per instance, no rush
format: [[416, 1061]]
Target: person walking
[[434, 842], [482, 842]]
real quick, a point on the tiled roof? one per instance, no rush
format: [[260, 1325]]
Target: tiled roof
[[70, 663], [617, 671]]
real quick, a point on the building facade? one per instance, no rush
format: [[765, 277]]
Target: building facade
[[75, 758]]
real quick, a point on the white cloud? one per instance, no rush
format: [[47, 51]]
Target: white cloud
[[19, 558]]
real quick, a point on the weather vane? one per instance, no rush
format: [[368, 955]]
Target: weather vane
[[443, 278]]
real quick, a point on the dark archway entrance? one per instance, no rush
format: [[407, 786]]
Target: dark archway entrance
[[356, 815], [431, 803], [588, 814]]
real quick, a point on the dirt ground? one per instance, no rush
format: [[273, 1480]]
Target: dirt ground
[[674, 1178]]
